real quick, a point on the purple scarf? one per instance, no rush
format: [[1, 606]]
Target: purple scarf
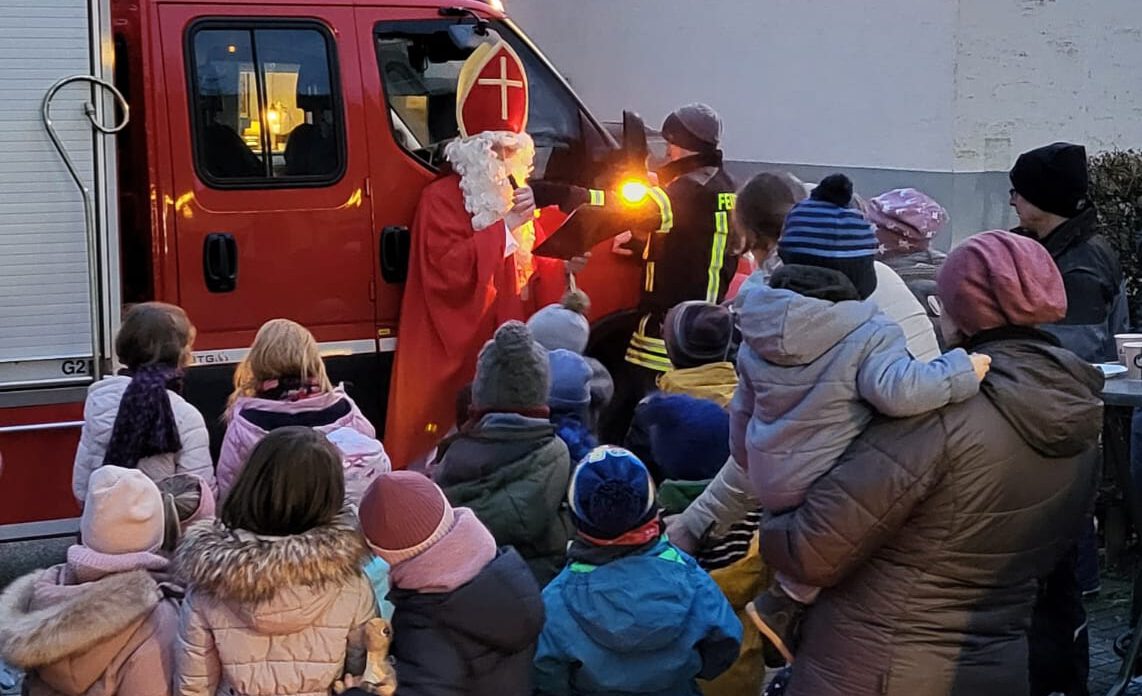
[[145, 424]]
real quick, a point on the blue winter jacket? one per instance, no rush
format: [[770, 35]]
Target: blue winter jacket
[[650, 623]]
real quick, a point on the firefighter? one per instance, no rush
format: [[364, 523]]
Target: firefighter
[[684, 241]]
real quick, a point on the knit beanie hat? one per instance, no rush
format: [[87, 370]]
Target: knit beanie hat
[[689, 437], [562, 325], [694, 127], [906, 220], [824, 231], [511, 372], [611, 493], [997, 279], [1053, 178], [123, 512], [698, 333], [570, 383], [403, 514]]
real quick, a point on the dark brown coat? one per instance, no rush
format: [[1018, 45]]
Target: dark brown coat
[[930, 533]]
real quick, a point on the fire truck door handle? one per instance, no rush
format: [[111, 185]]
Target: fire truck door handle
[[220, 262], [395, 243]]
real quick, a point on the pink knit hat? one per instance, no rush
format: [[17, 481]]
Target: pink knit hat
[[997, 279], [123, 512], [906, 220], [403, 514]]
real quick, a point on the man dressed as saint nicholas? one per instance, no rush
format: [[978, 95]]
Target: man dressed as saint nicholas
[[471, 266]]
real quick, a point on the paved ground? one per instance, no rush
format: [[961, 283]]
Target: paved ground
[[1108, 613]]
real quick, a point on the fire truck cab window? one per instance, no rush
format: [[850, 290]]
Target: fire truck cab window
[[264, 107], [420, 65]]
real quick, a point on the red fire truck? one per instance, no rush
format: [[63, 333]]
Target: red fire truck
[[245, 160]]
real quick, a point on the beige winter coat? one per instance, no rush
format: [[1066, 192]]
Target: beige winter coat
[[99, 413], [112, 636], [271, 615]]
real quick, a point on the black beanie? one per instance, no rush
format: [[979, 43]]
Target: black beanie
[[1053, 178]]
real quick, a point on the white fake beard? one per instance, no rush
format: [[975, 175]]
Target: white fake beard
[[484, 177]]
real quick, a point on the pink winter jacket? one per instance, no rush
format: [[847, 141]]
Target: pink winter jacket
[[271, 615], [99, 414], [98, 637], [253, 418]]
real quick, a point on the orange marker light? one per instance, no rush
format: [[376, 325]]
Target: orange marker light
[[634, 192]]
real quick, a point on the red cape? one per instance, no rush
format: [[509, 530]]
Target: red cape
[[460, 288]]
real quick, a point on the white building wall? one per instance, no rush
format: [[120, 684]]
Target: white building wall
[[938, 94], [1030, 72], [795, 81]]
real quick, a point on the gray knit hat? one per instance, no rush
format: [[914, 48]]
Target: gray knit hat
[[512, 372], [563, 325], [694, 127]]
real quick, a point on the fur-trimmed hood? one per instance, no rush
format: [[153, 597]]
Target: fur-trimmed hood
[[38, 630], [277, 581]]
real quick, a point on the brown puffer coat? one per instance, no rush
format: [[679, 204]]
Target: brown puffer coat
[[930, 532]]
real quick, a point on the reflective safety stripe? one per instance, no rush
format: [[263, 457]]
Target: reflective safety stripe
[[649, 282], [646, 351], [665, 211], [717, 252], [598, 198]]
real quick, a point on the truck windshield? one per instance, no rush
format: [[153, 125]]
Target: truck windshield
[[420, 65]]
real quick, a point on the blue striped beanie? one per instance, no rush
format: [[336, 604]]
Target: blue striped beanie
[[824, 226], [824, 231]]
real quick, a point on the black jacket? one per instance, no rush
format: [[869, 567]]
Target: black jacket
[[930, 533], [688, 250], [693, 259], [478, 640], [1096, 298]]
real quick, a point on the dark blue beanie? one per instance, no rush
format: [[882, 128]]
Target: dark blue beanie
[[570, 383], [689, 437], [611, 493]]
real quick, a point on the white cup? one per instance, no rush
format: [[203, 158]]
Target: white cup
[[1122, 339], [1132, 359]]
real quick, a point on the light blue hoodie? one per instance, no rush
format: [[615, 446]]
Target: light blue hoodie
[[812, 374]]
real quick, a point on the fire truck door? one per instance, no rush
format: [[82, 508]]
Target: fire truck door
[[269, 170]]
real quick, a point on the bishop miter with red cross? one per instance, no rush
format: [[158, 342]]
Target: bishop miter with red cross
[[471, 266]]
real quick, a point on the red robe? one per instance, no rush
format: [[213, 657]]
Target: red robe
[[460, 288]]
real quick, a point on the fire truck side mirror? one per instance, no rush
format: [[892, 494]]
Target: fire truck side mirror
[[395, 244], [635, 148]]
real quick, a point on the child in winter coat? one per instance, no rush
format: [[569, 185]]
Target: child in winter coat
[[817, 361], [565, 326], [699, 339], [689, 440], [507, 464], [276, 597], [104, 622], [570, 402], [630, 614], [137, 419], [282, 382], [467, 614]]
